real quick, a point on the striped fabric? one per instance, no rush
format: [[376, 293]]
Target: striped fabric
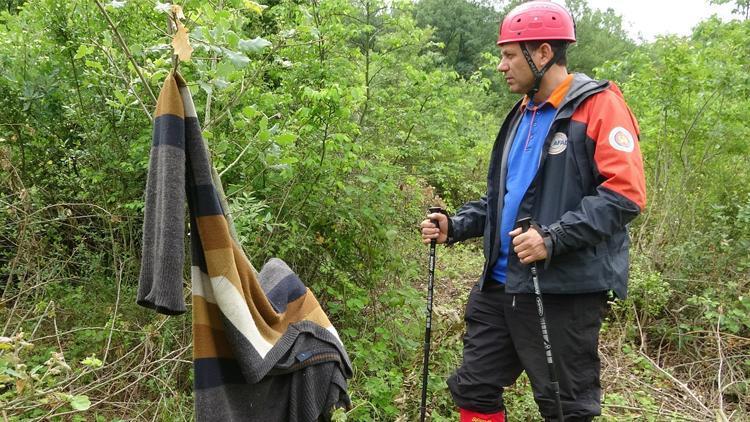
[[263, 349]]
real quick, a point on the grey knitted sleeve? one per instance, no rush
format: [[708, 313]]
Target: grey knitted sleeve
[[160, 286]]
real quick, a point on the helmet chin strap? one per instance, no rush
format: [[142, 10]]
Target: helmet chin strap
[[538, 74]]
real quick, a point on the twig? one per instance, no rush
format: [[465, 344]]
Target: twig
[[236, 160], [678, 383], [51, 415], [25, 200], [57, 333], [125, 79], [41, 318], [13, 265], [19, 326], [126, 50], [720, 395], [642, 348], [75, 330], [161, 397], [227, 108], [114, 313], [233, 102], [657, 412], [209, 94], [692, 125]]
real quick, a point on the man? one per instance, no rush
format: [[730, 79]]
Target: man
[[567, 156]]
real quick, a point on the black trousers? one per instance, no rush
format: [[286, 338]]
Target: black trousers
[[503, 338]]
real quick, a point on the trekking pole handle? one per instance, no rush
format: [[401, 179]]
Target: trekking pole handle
[[524, 223], [436, 210]]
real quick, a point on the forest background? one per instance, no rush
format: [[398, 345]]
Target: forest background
[[334, 124]]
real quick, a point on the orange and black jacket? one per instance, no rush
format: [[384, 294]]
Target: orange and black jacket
[[588, 187]]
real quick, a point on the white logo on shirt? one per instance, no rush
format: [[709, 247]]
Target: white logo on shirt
[[621, 139], [559, 143]]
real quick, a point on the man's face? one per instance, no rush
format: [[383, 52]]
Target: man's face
[[513, 64]]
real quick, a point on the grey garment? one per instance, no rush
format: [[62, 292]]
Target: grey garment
[[254, 368], [160, 285], [284, 397], [304, 384], [272, 273], [280, 284]]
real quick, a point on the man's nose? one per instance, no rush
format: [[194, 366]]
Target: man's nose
[[502, 67]]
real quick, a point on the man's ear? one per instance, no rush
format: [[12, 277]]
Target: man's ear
[[545, 53]]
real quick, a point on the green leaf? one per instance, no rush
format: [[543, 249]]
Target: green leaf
[[92, 361], [83, 51], [220, 83], [264, 135], [206, 87], [232, 38], [255, 45], [121, 97], [80, 402], [286, 138], [254, 7], [94, 65], [224, 70], [249, 112], [238, 59], [13, 373]]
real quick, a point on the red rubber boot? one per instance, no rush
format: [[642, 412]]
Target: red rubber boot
[[469, 416]]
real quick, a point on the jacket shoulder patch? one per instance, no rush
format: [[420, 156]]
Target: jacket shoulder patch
[[621, 139], [559, 143]]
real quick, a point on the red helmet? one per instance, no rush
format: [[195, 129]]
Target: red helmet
[[537, 20]]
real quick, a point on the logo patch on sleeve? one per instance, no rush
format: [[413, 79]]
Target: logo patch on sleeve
[[559, 143], [621, 139]]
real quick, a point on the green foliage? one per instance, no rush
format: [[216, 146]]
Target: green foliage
[[333, 124], [600, 37], [464, 28], [691, 270], [649, 291]]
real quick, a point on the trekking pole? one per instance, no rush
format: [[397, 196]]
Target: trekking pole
[[525, 224], [428, 324]]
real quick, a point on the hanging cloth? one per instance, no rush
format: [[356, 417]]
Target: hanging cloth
[[263, 349]]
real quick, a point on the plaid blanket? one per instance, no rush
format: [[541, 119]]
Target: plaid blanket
[[263, 349]]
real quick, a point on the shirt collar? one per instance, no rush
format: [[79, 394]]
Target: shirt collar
[[554, 99]]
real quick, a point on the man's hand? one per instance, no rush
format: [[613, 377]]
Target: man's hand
[[529, 246], [430, 232]]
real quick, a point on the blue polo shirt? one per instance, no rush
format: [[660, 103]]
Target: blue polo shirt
[[523, 163]]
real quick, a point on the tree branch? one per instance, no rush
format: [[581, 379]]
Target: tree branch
[[126, 50]]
